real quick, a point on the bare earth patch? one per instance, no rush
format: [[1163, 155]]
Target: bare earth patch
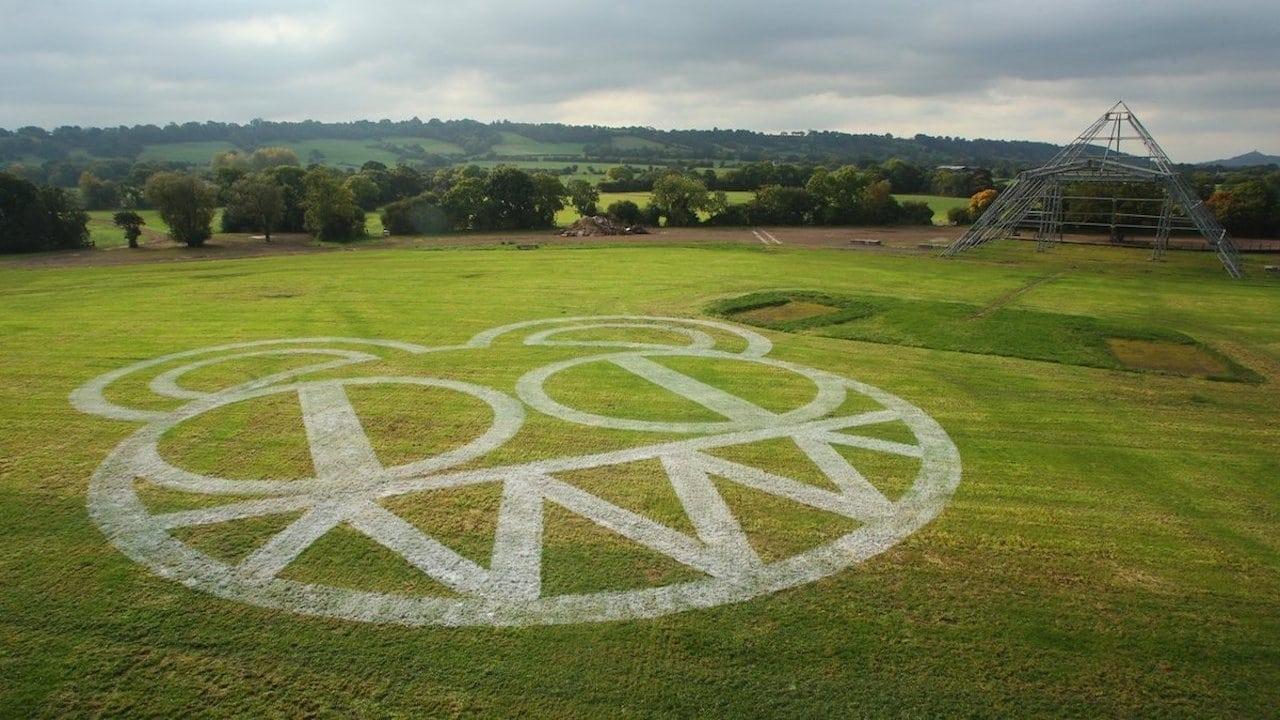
[[1165, 357], [793, 310]]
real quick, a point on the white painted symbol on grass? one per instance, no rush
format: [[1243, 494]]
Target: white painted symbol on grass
[[350, 484]]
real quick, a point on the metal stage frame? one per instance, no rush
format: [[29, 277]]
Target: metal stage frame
[[1038, 198]]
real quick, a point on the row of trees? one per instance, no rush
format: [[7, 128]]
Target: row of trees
[[480, 139], [35, 218], [509, 198], [1250, 205], [902, 176]]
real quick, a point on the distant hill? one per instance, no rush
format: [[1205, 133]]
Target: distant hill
[[1248, 159], [349, 144]]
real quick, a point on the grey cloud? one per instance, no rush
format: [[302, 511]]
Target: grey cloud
[[995, 69]]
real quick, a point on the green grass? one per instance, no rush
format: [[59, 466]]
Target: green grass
[[939, 203], [516, 144], [988, 330], [1111, 551], [104, 233]]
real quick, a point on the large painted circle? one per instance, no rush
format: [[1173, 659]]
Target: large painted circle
[[532, 390]]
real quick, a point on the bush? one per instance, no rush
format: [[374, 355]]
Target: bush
[[957, 216], [419, 215], [915, 212], [625, 212]]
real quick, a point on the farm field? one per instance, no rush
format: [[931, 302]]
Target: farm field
[[1110, 548]]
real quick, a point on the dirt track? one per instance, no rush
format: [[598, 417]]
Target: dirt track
[[914, 239]]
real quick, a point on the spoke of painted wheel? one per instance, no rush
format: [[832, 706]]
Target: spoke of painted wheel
[[339, 447], [284, 547], [660, 538], [868, 501], [420, 550], [516, 570], [233, 511], [712, 398], [706, 509], [802, 493], [876, 444]]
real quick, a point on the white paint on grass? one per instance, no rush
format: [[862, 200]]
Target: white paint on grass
[[350, 482]]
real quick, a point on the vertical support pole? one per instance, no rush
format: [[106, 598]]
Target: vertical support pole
[[1050, 230], [1163, 229]]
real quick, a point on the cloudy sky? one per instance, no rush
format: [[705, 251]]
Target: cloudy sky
[[1204, 76]]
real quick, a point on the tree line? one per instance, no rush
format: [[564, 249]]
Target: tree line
[[903, 176], [475, 139]]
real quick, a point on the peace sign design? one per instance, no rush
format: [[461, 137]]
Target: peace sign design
[[350, 485]]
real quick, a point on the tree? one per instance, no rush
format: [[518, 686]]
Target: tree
[[877, 206], [331, 213], [186, 204], [464, 203], [510, 199], [98, 194], [903, 176], [34, 218], [548, 199], [583, 196], [776, 205], [679, 198], [131, 222], [365, 190], [1246, 208], [840, 194], [260, 199], [292, 180], [269, 157], [979, 203]]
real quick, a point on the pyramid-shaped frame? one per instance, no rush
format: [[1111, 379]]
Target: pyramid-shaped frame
[[1035, 198]]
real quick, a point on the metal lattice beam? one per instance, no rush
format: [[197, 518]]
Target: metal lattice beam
[[1035, 198]]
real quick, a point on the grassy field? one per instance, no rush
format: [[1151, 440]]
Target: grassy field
[[1113, 548], [515, 144]]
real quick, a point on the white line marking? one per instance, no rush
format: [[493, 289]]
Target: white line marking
[[339, 448], [516, 570], [712, 398]]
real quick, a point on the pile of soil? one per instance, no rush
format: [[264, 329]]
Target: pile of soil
[[600, 225]]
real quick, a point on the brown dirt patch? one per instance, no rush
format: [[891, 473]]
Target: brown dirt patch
[[1166, 357], [793, 310]]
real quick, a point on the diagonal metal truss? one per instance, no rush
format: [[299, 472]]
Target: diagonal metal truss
[[1035, 199]]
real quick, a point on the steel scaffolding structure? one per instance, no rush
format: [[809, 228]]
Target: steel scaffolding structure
[[1037, 198]]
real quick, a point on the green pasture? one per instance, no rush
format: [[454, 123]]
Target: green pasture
[[1112, 550], [516, 144]]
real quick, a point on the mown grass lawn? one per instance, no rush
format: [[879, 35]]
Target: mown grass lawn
[[1112, 549]]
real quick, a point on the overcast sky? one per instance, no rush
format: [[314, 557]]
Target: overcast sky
[[1204, 76]]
